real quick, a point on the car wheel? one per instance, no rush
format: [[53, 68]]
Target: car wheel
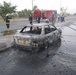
[[19, 48], [37, 50]]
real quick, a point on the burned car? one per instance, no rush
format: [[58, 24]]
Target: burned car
[[36, 36]]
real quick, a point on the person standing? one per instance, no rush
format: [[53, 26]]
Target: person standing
[[62, 18], [8, 22], [38, 19], [53, 18], [59, 18], [30, 19]]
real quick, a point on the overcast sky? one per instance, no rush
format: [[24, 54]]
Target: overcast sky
[[45, 4]]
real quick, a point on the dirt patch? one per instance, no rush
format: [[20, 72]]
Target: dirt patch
[[10, 32]]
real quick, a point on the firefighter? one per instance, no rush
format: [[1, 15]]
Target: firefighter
[[7, 22], [62, 18], [53, 18], [38, 19], [30, 19]]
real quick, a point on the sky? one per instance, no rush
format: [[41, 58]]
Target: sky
[[45, 4]]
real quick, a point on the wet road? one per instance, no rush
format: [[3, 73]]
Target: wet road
[[13, 26], [61, 60]]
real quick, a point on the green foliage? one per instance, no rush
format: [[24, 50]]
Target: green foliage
[[6, 8], [35, 7], [24, 13]]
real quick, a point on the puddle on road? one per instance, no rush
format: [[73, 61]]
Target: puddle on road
[[10, 32], [67, 51]]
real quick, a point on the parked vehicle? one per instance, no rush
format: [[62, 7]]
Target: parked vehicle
[[44, 14], [36, 36]]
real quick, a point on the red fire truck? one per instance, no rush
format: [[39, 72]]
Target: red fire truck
[[37, 13], [44, 14]]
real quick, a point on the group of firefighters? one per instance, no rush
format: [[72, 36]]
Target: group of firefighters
[[30, 20], [8, 21], [38, 19]]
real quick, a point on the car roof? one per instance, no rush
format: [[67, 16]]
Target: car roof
[[38, 24]]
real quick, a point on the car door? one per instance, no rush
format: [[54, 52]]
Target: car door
[[49, 35], [55, 33]]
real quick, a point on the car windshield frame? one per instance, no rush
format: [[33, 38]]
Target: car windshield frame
[[40, 25], [32, 30]]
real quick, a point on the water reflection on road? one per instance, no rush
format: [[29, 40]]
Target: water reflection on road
[[67, 55]]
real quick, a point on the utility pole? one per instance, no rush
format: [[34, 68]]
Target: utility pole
[[60, 4], [32, 5], [61, 8]]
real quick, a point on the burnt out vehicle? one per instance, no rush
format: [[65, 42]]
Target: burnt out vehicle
[[36, 36]]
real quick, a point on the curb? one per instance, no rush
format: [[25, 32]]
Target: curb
[[5, 47], [6, 42]]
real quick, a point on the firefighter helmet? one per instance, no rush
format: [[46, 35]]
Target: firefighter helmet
[[7, 14]]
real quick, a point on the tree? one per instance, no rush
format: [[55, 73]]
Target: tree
[[29, 12], [35, 7], [6, 8], [24, 13]]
